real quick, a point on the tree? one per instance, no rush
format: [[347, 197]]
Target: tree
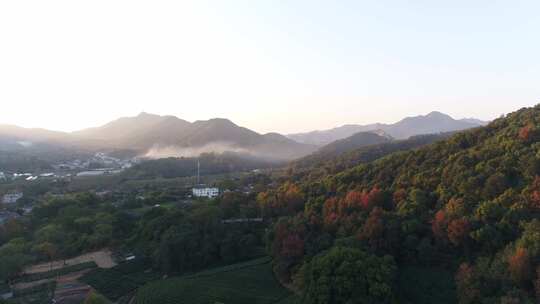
[[528, 133], [519, 265], [48, 250], [13, 256], [346, 275], [94, 298], [534, 197], [439, 224], [458, 231], [468, 290]]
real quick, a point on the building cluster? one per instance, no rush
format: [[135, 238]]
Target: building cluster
[[100, 159], [207, 192]]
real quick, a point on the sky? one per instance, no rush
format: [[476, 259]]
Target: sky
[[283, 66]]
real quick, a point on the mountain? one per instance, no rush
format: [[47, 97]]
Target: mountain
[[163, 136], [126, 127], [158, 136], [351, 143], [457, 221], [475, 121], [10, 133], [434, 122]]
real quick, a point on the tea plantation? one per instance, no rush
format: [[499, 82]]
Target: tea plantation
[[245, 283]]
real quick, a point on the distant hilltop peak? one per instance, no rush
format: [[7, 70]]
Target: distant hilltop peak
[[146, 114], [438, 114], [217, 122]]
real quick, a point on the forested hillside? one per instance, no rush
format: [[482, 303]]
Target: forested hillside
[[317, 165], [210, 163], [454, 221]]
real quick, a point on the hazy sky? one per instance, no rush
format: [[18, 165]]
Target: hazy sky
[[283, 66]]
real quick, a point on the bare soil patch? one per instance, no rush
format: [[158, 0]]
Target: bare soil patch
[[102, 258]]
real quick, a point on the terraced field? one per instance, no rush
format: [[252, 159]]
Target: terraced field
[[245, 283]]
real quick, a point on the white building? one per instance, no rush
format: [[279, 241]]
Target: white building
[[12, 198], [206, 192], [2, 176], [91, 173]]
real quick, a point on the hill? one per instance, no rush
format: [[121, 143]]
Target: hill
[[353, 142], [317, 165], [342, 146], [432, 123], [467, 207]]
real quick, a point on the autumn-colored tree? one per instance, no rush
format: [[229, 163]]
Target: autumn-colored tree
[[373, 230], [519, 266], [458, 231], [330, 213], [439, 224], [526, 134], [292, 246], [535, 193], [375, 198], [400, 196], [353, 200], [287, 245], [293, 199], [467, 286]]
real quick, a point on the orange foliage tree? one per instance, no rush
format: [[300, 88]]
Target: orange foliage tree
[[458, 231], [519, 266]]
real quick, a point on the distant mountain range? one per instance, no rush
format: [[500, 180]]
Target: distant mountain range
[[156, 136], [432, 123]]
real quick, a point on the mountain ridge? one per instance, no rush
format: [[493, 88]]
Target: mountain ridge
[[166, 136], [431, 123]]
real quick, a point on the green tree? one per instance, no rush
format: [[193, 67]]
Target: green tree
[[346, 275], [94, 298]]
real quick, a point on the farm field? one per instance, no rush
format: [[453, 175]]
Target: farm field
[[251, 282], [120, 280]]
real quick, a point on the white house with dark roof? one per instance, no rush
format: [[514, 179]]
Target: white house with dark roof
[[12, 198]]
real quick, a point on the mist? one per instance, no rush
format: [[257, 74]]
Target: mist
[[157, 151]]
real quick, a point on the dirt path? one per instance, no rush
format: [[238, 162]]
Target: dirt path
[[102, 258], [72, 277]]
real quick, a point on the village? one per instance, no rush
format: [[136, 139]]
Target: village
[[98, 164]]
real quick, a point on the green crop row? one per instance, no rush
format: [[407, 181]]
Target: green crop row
[[251, 282]]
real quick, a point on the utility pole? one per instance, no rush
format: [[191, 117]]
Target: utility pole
[[198, 172]]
